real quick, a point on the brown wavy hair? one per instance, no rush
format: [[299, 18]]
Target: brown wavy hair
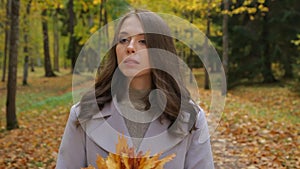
[[157, 36]]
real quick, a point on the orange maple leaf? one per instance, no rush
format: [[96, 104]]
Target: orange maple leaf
[[125, 158]]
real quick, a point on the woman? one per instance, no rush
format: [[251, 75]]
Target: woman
[[157, 113]]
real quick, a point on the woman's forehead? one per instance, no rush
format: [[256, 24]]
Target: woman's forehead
[[131, 26]]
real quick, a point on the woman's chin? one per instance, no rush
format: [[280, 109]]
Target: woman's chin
[[129, 73]]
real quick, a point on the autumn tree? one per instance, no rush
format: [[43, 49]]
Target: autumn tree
[[296, 42], [225, 37], [207, 33], [47, 61], [26, 41], [56, 37], [50, 12], [72, 42], [202, 12], [283, 26], [6, 41], [82, 18], [11, 117], [261, 33]]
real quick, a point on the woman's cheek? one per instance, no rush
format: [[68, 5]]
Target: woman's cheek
[[119, 54]]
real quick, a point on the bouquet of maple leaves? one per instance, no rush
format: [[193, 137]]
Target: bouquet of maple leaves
[[125, 158]]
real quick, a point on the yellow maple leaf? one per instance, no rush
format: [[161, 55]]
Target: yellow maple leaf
[[101, 162], [125, 158]]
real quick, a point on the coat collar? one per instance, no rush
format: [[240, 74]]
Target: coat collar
[[106, 126], [105, 112]]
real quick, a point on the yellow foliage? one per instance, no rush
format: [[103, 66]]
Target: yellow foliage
[[126, 159], [219, 33], [239, 10], [263, 8], [93, 29], [251, 10], [61, 6], [296, 42], [261, 1], [96, 2], [247, 2], [226, 12]]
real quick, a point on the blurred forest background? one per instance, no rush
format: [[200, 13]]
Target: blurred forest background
[[258, 42]]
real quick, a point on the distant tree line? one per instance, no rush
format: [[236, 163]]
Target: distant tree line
[[260, 47], [257, 40]]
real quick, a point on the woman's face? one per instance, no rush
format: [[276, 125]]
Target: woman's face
[[131, 49]]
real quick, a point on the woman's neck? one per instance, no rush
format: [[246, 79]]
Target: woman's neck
[[140, 83]]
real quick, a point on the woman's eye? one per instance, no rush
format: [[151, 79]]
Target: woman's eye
[[123, 40], [143, 41]]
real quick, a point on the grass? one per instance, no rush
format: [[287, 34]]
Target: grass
[[270, 101], [47, 103], [41, 93], [278, 101], [266, 101]]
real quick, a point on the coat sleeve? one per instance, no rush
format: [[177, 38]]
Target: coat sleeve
[[199, 154], [72, 152]]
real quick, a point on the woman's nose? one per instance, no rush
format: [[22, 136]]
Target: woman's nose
[[130, 48]]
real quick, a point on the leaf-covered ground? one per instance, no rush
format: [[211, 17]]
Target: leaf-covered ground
[[260, 126]]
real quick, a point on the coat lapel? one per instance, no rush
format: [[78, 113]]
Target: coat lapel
[[158, 138], [99, 129]]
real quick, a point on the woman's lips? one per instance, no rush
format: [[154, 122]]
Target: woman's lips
[[130, 61]]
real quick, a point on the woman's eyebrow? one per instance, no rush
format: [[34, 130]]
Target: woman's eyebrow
[[123, 33], [126, 33]]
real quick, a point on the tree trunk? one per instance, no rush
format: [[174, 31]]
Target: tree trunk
[[26, 59], [7, 33], [56, 41], [32, 64], [65, 56], [103, 20], [72, 45], [11, 117], [267, 63], [47, 64], [106, 22], [101, 15], [225, 37], [288, 68], [225, 42], [25, 71], [206, 78]]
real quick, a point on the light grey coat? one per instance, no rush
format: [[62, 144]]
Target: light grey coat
[[81, 144]]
